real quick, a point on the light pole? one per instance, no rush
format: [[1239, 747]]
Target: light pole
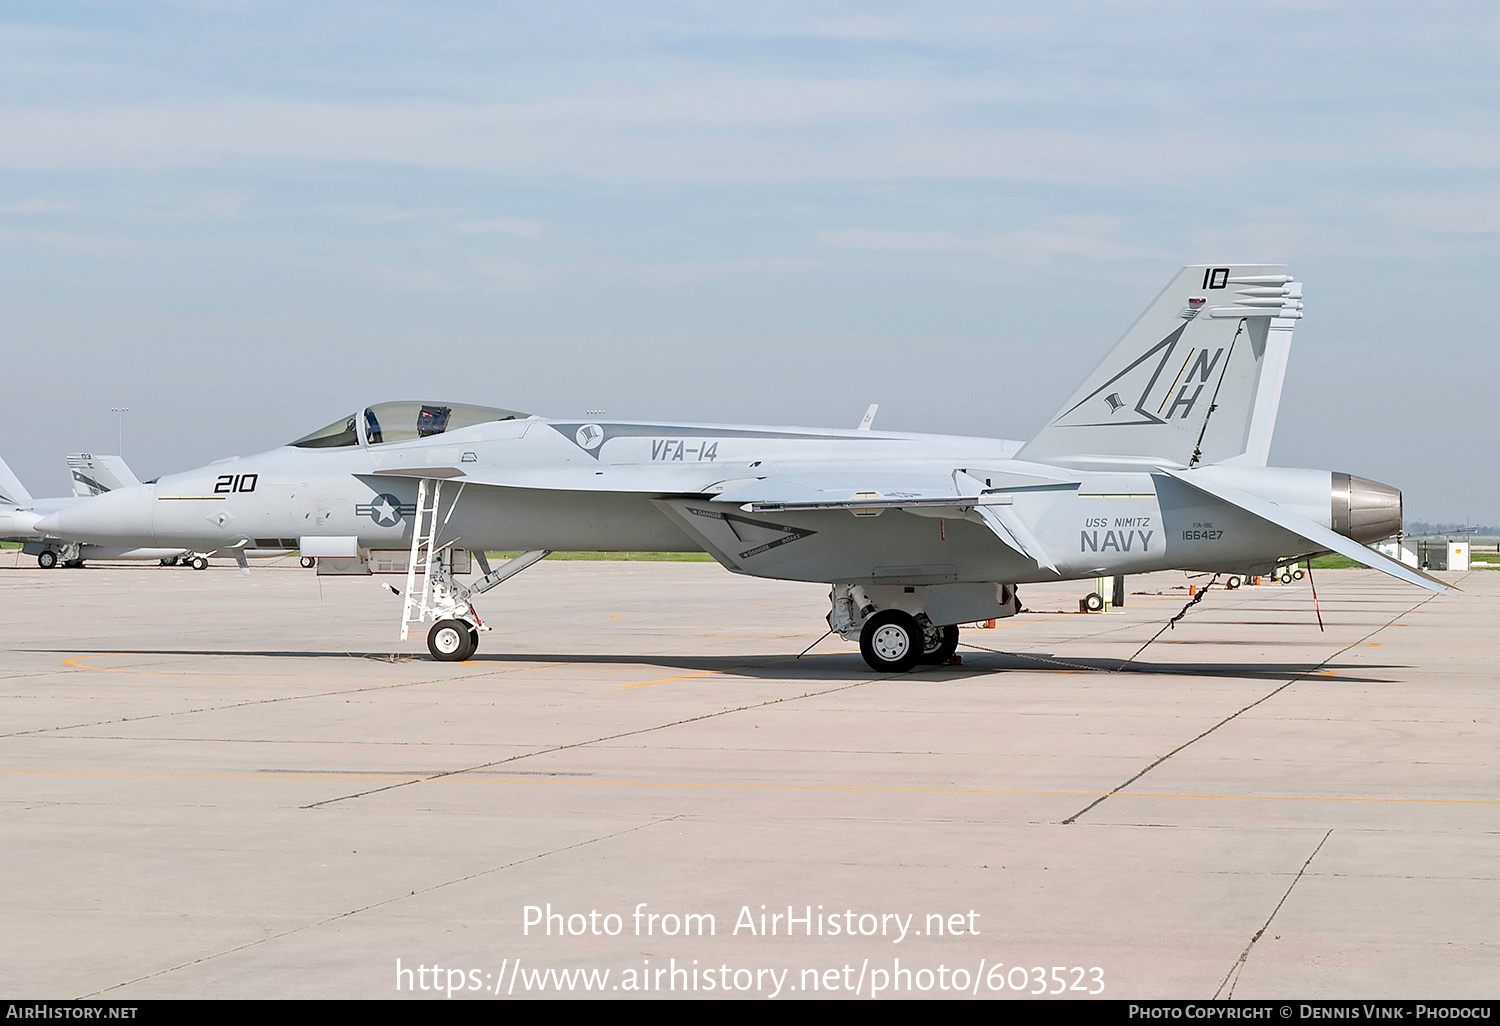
[[121, 410]]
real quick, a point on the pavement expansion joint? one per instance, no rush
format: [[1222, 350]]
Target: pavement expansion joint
[[1232, 978], [1272, 694], [592, 741], [377, 904]]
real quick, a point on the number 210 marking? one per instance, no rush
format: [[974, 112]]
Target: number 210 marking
[[235, 483]]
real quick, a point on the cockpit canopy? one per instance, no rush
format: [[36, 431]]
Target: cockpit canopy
[[401, 422]]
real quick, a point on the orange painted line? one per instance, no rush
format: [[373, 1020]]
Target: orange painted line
[[458, 777], [667, 680], [76, 663]]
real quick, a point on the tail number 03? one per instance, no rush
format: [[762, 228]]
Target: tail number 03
[[235, 483]]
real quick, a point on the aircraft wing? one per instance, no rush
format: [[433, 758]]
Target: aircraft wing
[[993, 510], [450, 466], [726, 482], [1317, 534]]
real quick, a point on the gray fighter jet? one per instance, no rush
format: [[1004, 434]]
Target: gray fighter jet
[[1156, 462], [92, 475]]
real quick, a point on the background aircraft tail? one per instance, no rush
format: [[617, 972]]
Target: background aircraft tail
[[1196, 380], [12, 492], [93, 475]]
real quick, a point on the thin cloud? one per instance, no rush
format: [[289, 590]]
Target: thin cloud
[[72, 242], [507, 276], [503, 226], [39, 206], [1473, 213], [1094, 238], [647, 136], [403, 277]]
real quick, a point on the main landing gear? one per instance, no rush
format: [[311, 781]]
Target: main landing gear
[[900, 627], [68, 554], [891, 641]]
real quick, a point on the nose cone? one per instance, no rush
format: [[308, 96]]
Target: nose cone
[[120, 517], [1365, 510]]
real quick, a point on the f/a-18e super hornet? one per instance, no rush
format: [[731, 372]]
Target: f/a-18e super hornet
[[1156, 462]]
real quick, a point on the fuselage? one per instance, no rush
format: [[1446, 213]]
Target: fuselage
[[533, 483], [543, 489]]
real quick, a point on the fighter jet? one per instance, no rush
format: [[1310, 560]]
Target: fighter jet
[[1156, 462], [92, 475]]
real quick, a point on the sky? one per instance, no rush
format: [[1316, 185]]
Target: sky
[[242, 220]]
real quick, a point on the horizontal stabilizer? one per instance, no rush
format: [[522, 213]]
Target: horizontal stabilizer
[[1317, 534]]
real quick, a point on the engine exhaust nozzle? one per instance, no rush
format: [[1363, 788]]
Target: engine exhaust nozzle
[[1365, 510]]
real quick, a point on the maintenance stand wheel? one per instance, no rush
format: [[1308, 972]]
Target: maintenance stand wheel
[[1093, 602], [308, 562], [47, 560], [891, 641], [199, 562], [449, 641], [939, 652]]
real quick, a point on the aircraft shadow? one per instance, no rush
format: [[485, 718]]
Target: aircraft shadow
[[832, 667]]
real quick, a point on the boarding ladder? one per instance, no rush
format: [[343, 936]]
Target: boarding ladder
[[439, 596], [434, 599]]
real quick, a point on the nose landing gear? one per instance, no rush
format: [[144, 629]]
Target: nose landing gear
[[452, 641]]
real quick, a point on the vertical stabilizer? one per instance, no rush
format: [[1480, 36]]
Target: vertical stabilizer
[[12, 492], [94, 475], [1267, 398], [1195, 380]]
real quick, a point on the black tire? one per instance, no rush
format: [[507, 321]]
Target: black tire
[[1093, 602], [47, 560], [308, 562], [473, 639], [1298, 574], [891, 641], [449, 641], [1233, 582], [72, 564], [199, 563], [936, 654]]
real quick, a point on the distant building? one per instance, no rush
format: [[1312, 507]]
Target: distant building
[[1402, 550]]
